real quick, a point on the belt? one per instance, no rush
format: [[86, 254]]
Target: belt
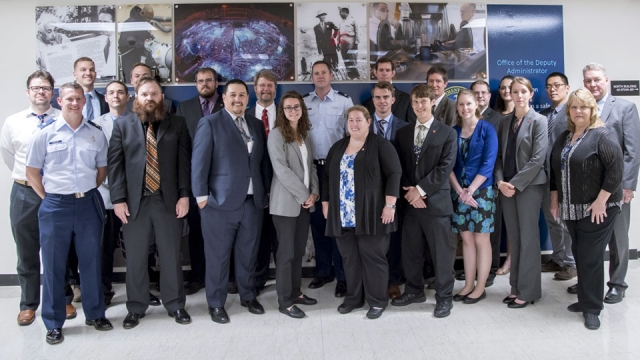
[[22, 182], [320, 161], [78, 195]]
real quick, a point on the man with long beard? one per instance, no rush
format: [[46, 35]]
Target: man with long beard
[[151, 200]]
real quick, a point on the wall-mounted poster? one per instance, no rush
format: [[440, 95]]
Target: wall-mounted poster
[[418, 36], [144, 36], [65, 33], [237, 40], [335, 33]]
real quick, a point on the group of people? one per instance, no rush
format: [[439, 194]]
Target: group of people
[[386, 187]]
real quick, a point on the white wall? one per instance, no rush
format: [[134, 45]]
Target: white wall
[[600, 31]]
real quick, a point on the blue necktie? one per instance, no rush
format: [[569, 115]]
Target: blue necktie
[[381, 124], [89, 106], [42, 124]]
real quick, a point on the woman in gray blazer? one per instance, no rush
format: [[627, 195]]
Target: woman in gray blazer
[[294, 190], [521, 177]]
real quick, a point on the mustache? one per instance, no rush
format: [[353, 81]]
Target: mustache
[[149, 111]]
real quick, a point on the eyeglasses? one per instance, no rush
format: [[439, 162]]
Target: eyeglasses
[[555, 86], [292, 108], [39, 88], [202, 81]]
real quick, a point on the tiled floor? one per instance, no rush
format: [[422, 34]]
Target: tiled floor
[[487, 330]]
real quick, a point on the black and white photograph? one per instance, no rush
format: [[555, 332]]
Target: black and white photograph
[[145, 34], [335, 33], [236, 40], [65, 33], [418, 36]]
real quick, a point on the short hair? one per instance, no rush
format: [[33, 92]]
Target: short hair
[[304, 124], [267, 74], [423, 91], [523, 81], [320, 62], [466, 92], [206, 70], [70, 85], [564, 78], [479, 82], [438, 70], [40, 74], [116, 82], [237, 82], [595, 67], [109, 11], [384, 60], [82, 58], [384, 85], [137, 65], [360, 108], [585, 97], [147, 79]]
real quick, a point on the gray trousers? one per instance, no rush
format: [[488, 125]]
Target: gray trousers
[[521, 214], [560, 238], [619, 249]]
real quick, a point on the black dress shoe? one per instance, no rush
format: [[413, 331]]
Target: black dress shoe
[[219, 315], [341, 289], [54, 336], [102, 324], [374, 313], [345, 308], [515, 305], [407, 299], [614, 296], [461, 276], [181, 316], [305, 300], [253, 305], [294, 312], [319, 282], [591, 321], [193, 287], [470, 300], [132, 320], [508, 300], [232, 288], [443, 309], [154, 300], [108, 297], [575, 307], [489, 282], [573, 289]]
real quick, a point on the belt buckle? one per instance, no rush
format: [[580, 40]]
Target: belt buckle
[[79, 195]]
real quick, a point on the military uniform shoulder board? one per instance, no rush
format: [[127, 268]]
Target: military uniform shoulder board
[[94, 124], [309, 94], [343, 94]]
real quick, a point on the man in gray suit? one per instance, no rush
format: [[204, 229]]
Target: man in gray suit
[[231, 184], [621, 118], [444, 109], [561, 262]]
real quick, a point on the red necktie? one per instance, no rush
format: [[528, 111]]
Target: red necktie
[[265, 120]]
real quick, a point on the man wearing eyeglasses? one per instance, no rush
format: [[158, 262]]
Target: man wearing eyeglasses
[[24, 202], [561, 262], [207, 102]]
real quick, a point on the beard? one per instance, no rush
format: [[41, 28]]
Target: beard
[[206, 92], [150, 111]]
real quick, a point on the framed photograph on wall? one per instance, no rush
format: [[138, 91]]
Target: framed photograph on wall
[[237, 40], [66, 33]]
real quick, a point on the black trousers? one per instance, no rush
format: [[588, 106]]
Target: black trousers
[[436, 230], [268, 245], [496, 239], [196, 243], [365, 267], [154, 221], [292, 239], [109, 243], [589, 242], [394, 255]]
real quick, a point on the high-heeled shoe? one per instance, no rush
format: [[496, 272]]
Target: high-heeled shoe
[[515, 305], [470, 300], [508, 299]]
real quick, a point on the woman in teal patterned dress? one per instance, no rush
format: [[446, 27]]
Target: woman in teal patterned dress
[[474, 195]]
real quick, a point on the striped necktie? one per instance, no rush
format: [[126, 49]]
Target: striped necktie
[[42, 124], [381, 125], [551, 121], [152, 169]]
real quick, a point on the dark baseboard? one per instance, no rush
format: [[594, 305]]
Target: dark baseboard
[[307, 271]]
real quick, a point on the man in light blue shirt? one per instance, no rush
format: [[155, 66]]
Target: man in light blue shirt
[[84, 71], [72, 152]]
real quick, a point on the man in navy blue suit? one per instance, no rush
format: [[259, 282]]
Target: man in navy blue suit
[[231, 183]]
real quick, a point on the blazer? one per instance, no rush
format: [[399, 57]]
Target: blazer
[[376, 173], [252, 110], [396, 124], [481, 156], [531, 151], [104, 107], [223, 166], [494, 118], [446, 111], [127, 159], [287, 186], [431, 173], [621, 118], [191, 110], [595, 164], [559, 126], [401, 108]]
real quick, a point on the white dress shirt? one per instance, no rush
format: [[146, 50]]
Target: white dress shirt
[[271, 113], [415, 135]]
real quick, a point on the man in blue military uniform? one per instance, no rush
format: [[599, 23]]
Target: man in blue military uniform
[[72, 153], [327, 108]]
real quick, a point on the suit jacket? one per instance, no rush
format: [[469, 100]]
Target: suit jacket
[[481, 155], [376, 175], [431, 173], [127, 159], [104, 107], [531, 151], [287, 187], [559, 126], [324, 38], [252, 110], [191, 110], [401, 108], [621, 118], [396, 124], [168, 105], [446, 111], [494, 118], [224, 166]]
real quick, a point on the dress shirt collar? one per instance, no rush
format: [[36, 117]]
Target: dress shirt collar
[[439, 99], [329, 95], [233, 117], [559, 108], [601, 103], [29, 113], [61, 122], [269, 108], [126, 112], [427, 124]]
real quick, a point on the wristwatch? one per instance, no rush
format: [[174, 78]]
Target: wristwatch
[[391, 206]]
